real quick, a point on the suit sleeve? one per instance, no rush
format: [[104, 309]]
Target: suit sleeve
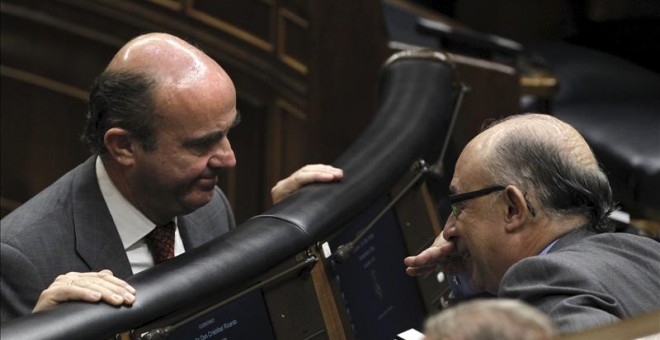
[[575, 298], [20, 283]]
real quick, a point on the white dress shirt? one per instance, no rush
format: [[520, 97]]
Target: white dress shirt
[[131, 224]]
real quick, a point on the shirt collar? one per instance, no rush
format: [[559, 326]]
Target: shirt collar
[[131, 224], [548, 247]]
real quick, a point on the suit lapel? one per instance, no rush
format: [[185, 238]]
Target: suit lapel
[[194, 232], [97, 239], [207, 222]]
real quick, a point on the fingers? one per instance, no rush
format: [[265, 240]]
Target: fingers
[[442, 254], [438, 252], [306, 175], [90, 287], [421, 271], [425, 262]]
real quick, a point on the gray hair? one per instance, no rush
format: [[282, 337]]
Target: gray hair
[[486, 319]]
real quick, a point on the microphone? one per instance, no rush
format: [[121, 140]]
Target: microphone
[[436, 170], [345, 250]]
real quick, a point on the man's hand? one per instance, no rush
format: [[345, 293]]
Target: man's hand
[[305, 175], [91, 287], [442, 254]]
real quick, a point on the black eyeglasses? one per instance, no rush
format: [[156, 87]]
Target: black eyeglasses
[[458, 198]]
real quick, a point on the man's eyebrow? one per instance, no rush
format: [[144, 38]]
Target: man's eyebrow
[[204, 140], [213, 136]]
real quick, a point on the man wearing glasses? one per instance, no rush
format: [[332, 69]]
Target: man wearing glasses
[[529, 220]]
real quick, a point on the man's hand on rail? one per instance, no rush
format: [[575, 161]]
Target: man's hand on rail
[[90, 287], [305, 175]]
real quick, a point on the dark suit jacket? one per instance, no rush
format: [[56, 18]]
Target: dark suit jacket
[[68, 227], [588, 280]]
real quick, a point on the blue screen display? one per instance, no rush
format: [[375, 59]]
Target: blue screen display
[[245, 318], [382, 300]]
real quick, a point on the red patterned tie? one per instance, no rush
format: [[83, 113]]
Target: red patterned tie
[[161, 242]]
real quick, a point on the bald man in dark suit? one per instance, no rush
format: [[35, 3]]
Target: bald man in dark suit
[[158, 126]]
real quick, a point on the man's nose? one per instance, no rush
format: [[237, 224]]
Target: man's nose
[[449, 231], [223, 157]]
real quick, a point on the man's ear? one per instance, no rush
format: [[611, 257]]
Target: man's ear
[[516, 213], [120, 145]]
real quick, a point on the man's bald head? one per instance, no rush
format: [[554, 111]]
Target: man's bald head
[[149, 69], [543, 129], [168, 59], [548, 159]]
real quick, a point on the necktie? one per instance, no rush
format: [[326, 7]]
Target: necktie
[[161, 242]]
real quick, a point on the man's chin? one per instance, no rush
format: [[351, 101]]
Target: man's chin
[[478, 284], [199, 200], [475, 279]]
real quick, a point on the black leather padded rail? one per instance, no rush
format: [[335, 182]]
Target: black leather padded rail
[[417, 102], [418, 92]]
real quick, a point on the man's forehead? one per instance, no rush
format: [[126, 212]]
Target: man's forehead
[[469, 167]]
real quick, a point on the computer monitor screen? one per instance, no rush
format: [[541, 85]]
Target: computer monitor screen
[[381, 299], [244, 318]]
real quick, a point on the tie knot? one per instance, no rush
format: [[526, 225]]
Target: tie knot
[[161, 242]]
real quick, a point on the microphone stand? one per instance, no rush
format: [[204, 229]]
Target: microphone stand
[[344, 251]]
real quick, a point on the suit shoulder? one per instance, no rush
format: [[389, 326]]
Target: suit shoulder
[[609, 253]]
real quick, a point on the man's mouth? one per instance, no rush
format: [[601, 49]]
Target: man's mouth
[[207, 183], [463, 255], [461, 252]]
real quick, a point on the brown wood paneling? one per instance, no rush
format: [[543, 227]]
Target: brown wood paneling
[[175, 5], [40, 137], [248, 20], [348, 53], [301, 8], [52, 47], [292, 42], [48, 62], [287, 134], [493, 91]]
